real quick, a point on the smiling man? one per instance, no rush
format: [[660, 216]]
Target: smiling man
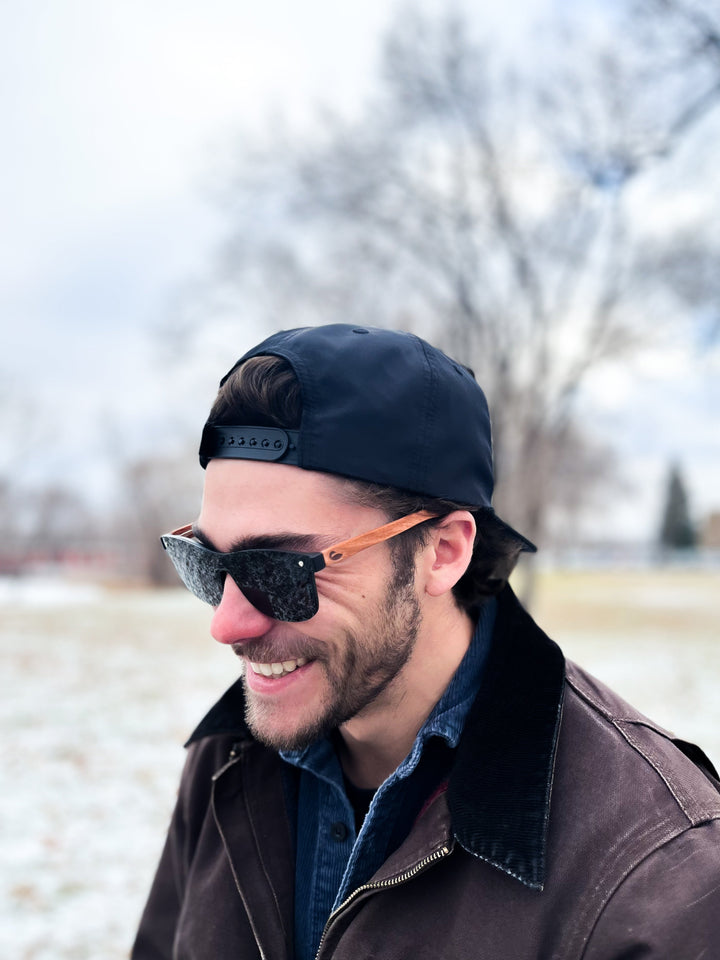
[[407, 767], [354, 662]]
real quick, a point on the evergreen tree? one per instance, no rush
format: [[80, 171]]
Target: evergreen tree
[[676, 531]]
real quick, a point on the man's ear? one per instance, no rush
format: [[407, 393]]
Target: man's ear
[[447, 555]]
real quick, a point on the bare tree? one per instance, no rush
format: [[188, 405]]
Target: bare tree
[[676, 55], [445, 209], [681, 43], [160, 494], [487, 210]]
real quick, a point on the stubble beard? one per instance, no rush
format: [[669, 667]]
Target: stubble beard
[[357, 673]]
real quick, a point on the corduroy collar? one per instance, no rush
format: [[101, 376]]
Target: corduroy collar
[[500, 786], [499, 791]]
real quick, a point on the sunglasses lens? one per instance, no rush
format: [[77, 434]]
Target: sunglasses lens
[[280, 585], [197, 567]]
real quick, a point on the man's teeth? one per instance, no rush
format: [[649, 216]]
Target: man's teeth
[[277, 669]]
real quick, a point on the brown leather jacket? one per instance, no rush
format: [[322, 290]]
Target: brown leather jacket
[[572, 827]]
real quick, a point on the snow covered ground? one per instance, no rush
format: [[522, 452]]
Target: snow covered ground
[[99, 693], [100, 689]]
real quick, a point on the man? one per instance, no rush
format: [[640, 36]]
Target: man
[[408, 766]]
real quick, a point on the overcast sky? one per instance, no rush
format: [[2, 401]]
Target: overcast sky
[[115, 119]]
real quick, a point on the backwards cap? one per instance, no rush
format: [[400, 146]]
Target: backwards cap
[[377, 405]]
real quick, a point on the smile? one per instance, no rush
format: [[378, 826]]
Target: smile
[[280, 669]]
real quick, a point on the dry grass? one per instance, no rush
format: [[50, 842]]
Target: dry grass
[[653, 635], [662, 602]]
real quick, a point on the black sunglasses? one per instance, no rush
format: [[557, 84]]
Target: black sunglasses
[[278, 583]]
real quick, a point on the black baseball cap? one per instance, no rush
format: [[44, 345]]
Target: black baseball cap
[[377, 405]]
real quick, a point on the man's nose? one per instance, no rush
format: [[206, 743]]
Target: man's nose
[[235, 618]]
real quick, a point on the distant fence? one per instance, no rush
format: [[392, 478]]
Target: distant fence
[[107, 559], [630, 556]]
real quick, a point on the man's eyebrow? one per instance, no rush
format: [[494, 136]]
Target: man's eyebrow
[[301, 543]]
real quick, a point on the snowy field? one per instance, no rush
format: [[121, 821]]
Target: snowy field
[[101, 688]]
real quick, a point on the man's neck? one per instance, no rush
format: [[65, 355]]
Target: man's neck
[[374, 742]]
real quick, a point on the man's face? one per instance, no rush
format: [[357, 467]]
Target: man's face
[[303, 680]]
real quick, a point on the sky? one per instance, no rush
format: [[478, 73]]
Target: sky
[[118, 121]]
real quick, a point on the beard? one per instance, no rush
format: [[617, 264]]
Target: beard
[[357, 670]]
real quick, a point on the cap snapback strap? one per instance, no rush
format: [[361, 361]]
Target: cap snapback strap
[[248, 443]]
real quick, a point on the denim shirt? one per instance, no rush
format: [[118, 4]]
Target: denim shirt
[[332, 860]]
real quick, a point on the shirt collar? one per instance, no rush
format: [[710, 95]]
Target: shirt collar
[[448, 716]]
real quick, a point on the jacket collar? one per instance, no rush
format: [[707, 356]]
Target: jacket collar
[[499, 789]]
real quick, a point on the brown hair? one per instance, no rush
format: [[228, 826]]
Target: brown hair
[[264, 392]]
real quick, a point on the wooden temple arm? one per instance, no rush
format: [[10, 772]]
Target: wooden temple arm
[[348, 548]]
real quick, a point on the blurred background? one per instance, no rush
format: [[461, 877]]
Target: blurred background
[[533, 186]]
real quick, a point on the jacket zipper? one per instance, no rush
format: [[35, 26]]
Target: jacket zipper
[[383, 884]]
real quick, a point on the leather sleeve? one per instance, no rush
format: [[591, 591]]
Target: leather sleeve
[[668, 907]]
